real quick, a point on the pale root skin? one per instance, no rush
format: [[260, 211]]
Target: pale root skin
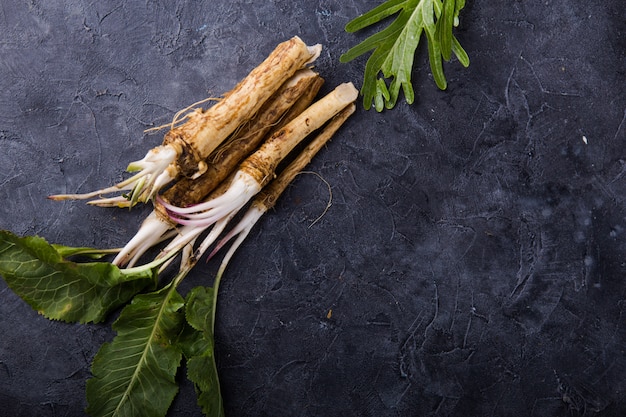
[[242, 188], [183, 243], [153, 172], [228, 199], [151, 228], [264, 201]]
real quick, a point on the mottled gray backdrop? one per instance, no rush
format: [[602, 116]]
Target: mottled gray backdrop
[[473, 261]]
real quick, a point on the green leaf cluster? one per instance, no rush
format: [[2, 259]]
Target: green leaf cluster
[[394, 47], [135, 374]]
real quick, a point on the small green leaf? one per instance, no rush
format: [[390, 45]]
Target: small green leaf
[[375, 15], [199, 312], [64, 290], [460, 53], [192, 342], [382, 95], [436, 62], [458, 6], [202, 371], [197, 344], [134, 375], [444, 28]]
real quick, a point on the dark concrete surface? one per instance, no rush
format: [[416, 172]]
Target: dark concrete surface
[[473, 261]]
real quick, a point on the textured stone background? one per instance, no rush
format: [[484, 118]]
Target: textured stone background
[[473, 261]]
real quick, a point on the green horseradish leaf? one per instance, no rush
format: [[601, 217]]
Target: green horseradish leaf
[[197, 344], [64, 290], [394, 47], [134, 375]]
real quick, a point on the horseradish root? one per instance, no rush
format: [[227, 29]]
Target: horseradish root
[[186, 147]]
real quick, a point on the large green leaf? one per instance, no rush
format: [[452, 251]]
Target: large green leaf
[[197, 343], [64, 290], [134, 375]]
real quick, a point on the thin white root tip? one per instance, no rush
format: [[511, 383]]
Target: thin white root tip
[[154, 172], [186, 256], [233, 248], [241, 190], [217, 230], [244, 226], [185, 235], [86, 196], [184, 242], [148, 235], [118, 201]]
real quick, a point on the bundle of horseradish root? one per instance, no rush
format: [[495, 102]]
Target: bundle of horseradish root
[[231, 160]]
